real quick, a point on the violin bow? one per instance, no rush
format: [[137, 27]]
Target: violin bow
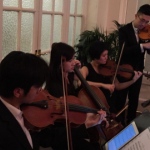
[[118, 64], [65, 93]]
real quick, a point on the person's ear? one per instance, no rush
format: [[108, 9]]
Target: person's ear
[[18, 92], [136, 15]]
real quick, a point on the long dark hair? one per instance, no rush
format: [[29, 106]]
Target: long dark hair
[[58, 51]]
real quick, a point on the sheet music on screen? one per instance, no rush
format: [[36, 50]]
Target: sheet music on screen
[[140, 142], [122, 137]]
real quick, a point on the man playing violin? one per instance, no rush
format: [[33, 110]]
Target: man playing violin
[[133, 54], [21, 78]]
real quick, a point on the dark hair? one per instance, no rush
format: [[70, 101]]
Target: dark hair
[[58, 51], [144, 9], [96, 49], [23, 70]]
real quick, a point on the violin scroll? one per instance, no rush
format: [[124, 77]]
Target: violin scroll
[[144, 34]]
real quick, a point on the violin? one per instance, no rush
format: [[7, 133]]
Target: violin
[[46, 109], [144, 34], [91, 97], [114, 126], [125, 71]]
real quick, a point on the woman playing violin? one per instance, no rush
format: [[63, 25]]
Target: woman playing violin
[[91, 72], [54, 85]]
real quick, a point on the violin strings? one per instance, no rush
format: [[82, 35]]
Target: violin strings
[[76, 107], [81, 108], [126, 70]]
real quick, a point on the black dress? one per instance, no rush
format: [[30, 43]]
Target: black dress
[[93, 76]]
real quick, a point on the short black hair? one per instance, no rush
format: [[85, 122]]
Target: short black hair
[[144, 9], [21, 70], [96, 49]]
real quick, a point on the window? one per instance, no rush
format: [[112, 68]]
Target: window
[[29, 25]]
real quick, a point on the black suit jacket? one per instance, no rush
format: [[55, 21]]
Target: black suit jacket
[[132, 52], [11, 134]]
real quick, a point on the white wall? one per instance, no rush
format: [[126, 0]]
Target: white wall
[[101, 13]]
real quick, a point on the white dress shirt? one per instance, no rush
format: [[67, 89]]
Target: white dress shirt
[[17, 113], [137, 37]]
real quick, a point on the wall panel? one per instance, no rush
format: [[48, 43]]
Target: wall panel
[[101, 13]]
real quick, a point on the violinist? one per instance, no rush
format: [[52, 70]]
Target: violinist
[[54, 85], [133, 54], [91, 72], [21, 78]]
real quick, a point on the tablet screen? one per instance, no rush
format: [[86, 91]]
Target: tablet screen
[[140, 142], [122, 137]]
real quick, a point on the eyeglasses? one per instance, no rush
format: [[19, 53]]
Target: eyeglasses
[[142, 20]]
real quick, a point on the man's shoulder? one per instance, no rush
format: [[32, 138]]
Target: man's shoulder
[[126, 26]]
